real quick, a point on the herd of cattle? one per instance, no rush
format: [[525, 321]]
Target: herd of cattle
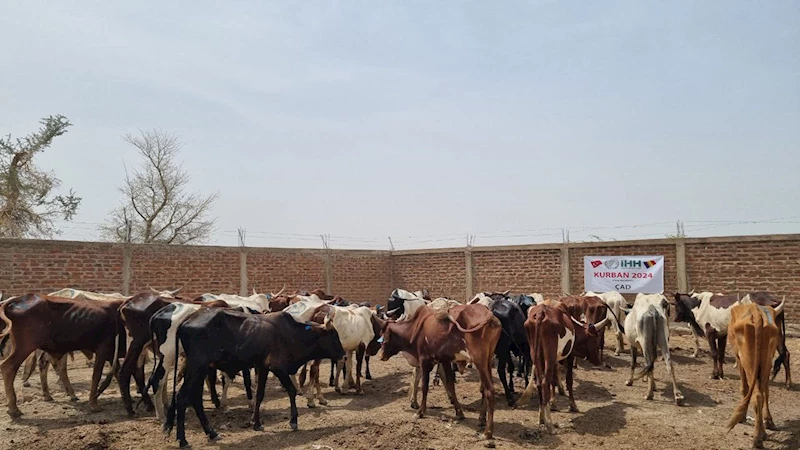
[[192, 339]]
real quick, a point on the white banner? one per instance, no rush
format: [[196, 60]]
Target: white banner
[[625, 274]]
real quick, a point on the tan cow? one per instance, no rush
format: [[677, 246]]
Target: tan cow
[[755, 340]]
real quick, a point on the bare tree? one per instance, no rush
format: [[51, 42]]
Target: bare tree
[[27, 208], [156, 207]]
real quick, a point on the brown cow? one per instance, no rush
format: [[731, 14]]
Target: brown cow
[[431, 338], [755, 340], [590, 309], [554, 336], [59, 326]]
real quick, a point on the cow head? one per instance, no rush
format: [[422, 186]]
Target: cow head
[[328, 342], [684, 303], [390, 343], [587, 338], [166, 294]]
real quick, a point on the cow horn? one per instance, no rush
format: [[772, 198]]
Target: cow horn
[[280, 292], [254, 291], [176, 290], [577, 322], [779, 308], [691, 292], [600, 325], [154, 291], [506, 292]]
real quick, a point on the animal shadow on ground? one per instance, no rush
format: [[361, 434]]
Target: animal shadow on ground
[[377, 391], [589, 391], [786, 438], [689, 361], [281, 439], [691, 397], [112, 412], [522, 435], [602, 420]]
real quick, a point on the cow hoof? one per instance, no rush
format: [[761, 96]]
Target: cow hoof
[[573, 408], [48, 398], [360, 392], [95, 409], [338, 390], [331, 383], [414, 405], [14, 413], [214, 437], [26, 384], [311, 405], [629, 383], [553, 407], [770, 425], [323, 402], [679, 400], [184, 444], [73, 398], [166, 429], [294, 426], [368, 376], [649, 397], [417, 416], [460, 415], [258, 427]]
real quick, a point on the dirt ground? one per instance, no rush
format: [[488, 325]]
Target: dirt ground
[[611, 414]]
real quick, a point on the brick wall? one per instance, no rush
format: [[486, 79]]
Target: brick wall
[[732, 267], [47, 266], [364, 276], [196, 269], [735, 264], [521, 271], [269, 270], [442, 274]]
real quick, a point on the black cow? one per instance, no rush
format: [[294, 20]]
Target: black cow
[[512, 340], [525, 302], [232, 341]]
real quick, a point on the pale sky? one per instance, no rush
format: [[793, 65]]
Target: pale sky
[[428, 120]]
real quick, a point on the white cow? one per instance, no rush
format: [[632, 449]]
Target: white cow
[[616, 313], [255, 302], [647, 328]]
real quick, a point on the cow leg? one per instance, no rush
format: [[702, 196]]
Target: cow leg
[[367, 375], [633, 365], [527, 394], [696, 343], [332, 380], [359, 362], [287, 384], [760, 434], [127, 370], [559, 382], [61, 370], [412, 390], [261, 373], [182, 401], [502, 366], [313, 384], [339, 369], [104, 353], [663, 344], [141, 386], [302, 376], [161, 395], [211, 383], [248, 386], [348, 364], [572, 406], [711, 335], [620, 343], [223, 400], [450, 387], [426, 367], [722, 342], [196, 399], [28, 367], [44, 365]]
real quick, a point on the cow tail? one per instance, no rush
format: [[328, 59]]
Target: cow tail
[[175, 374], [782, 350], [741, 410], [7, 331], [651, 347], [119, 349], [473, 329]]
